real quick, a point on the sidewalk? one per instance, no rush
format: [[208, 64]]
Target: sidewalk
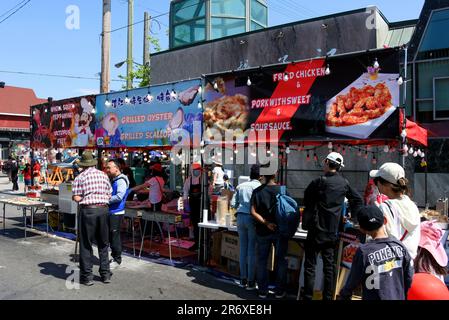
[[39, 267], [6, 186]]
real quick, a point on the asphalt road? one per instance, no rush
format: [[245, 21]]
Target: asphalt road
[[41, 268]]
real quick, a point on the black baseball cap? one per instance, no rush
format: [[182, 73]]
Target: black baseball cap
[[370, 218]]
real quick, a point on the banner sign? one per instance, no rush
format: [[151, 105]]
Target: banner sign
[[64, 124], [343, 97], [147, 116]]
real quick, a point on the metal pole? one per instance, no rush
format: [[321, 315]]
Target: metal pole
[[146, 40], [105, 47], [129, 61], [404, 124]]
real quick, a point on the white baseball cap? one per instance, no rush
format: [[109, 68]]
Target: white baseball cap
[[389, 171], [335, 157]]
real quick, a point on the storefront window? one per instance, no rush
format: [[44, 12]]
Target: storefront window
[[222, 27], [426, 72], [442, 98], [437, 32], [233, 8]]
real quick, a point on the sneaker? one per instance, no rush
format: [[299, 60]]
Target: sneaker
[[251, 286], [106, 279], [243, 283], [281, 295], [263, 294], [114, 265], [87, 283]]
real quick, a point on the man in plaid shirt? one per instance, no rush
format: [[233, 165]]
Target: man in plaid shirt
[[92, 190]]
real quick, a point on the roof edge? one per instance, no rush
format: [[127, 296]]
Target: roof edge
[[330, 16]]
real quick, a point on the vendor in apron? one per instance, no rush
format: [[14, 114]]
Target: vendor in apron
[[192, 193]]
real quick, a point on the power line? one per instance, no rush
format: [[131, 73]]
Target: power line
[[54, 75], [157, 16], [287, 7], [284, 10], [297, 5], [23, 5], [8, 11]]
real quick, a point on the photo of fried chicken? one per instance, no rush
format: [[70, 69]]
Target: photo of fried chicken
[[359, 105], [227, 113]]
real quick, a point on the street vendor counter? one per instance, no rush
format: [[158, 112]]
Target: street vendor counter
[[26, 205], [218, 245], [171, 218]]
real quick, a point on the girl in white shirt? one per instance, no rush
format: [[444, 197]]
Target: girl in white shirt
[[402, 214]]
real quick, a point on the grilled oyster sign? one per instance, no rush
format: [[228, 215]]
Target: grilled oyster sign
[[147, 116]]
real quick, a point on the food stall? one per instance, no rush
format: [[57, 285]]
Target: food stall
[[146, 126], [59, 130], [294, 115]]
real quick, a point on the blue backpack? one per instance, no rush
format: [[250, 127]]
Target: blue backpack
[[287, 214]]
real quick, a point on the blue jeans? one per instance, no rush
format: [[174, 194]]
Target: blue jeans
[[247, 238], [263, 251]]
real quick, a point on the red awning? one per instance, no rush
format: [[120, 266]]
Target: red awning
[[416, 133]]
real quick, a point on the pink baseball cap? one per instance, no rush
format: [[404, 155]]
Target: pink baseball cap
[[430, 240]]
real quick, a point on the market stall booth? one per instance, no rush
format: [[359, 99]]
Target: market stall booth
[[292, 115], [60, 129], [150, 127]]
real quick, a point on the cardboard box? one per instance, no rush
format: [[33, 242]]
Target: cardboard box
[[295, 249], [293, 263], [233, 267], [230, 247], [216, 246]]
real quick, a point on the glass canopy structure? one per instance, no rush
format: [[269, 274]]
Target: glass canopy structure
[[193, 21]]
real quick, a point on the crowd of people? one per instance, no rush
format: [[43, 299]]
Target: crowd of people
[[398, 244], [33, 173]]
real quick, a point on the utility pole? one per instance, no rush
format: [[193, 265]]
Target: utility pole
[[105, 47], [146, 40], [129, 62]]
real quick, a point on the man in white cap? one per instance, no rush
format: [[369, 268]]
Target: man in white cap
[[323, 199]]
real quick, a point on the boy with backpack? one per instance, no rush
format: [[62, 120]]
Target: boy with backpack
[[264, 209], [120, 190], [382, 266], [323, 219]]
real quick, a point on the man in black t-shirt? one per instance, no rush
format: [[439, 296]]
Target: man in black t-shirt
[[263, 203], [14, 171], [323, 199]]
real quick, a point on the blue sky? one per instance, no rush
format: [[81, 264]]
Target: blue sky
[[36, 39]]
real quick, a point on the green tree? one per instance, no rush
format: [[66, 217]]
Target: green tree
[[142, 73]]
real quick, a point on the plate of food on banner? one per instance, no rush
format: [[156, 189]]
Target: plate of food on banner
[[363, 106]]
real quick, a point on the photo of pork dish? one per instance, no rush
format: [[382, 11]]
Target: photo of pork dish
[[227, 113]]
